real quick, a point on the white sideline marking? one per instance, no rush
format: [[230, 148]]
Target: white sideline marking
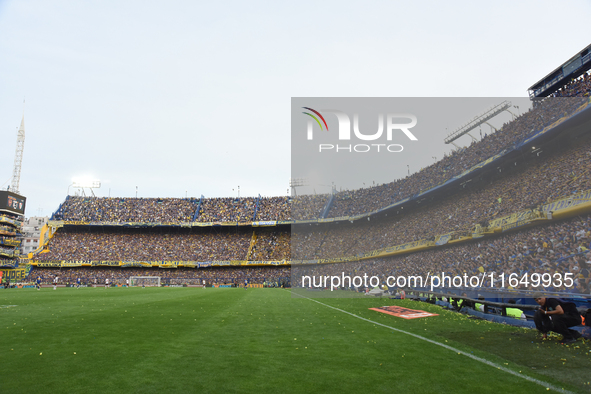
[[482, 360]]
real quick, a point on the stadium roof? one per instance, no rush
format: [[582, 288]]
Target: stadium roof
[[572, 68]]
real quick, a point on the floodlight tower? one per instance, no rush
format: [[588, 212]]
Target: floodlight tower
[[477, 121], [295, 182], [18, 157], [85, 183]]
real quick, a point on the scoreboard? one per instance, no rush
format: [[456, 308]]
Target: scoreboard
[[12, 202]]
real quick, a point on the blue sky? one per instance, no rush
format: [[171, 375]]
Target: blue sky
[[193, 98]]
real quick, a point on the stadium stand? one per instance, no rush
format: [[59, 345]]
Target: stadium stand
[[91, 228], [10, 228], [273, 208], [309, 206], [270, 276], [227, 210], [121, 210], [350, 203], [535, 182], [132, 245], [557, 248]]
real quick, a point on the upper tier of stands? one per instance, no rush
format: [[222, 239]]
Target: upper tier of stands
[[345, 203], [551, 175]]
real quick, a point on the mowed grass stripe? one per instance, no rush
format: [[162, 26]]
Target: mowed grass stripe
[[519, 349], [436, 343], [212, 340]]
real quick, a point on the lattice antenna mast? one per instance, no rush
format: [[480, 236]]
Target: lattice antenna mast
[[18, 156]]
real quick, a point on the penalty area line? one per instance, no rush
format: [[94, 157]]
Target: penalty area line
[[473, 357]]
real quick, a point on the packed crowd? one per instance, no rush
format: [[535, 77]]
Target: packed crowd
[[350, 203], [4, 216], [6, 240], [577, 87], [548, 177], [8, 245], [7, 262], [246, 209], [560, 248], [173, 210], [6, 250], [7, 230], [553, 174], [200, 276], [227, 210], [273, 208], [271, 246], [120, 210], [308, 206], [140, 245], [346, 203], [147, 246]]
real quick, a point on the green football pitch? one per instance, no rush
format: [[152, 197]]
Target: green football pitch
[[265, 340]]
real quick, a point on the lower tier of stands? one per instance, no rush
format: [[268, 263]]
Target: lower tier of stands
[[271, 276], [161, 244], [557, 249]]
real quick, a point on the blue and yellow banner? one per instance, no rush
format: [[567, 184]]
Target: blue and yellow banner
[[10, 241], [6, 219], [443, 239], [16, 274]]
